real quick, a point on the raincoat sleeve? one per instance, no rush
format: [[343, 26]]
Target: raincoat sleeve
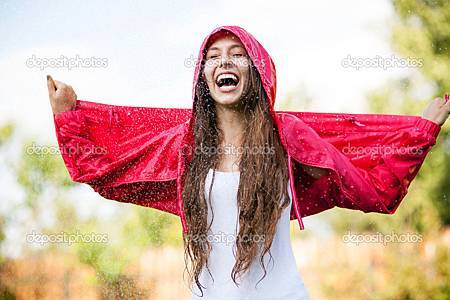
[[371, 159], [127, 154]]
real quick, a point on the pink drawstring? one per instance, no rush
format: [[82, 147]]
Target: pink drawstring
[[180, 190], [294, 196]]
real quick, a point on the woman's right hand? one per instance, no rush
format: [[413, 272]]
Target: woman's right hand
[[437, 110], [62, 96]]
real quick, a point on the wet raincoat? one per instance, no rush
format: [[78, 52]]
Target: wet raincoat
[[138, 154]]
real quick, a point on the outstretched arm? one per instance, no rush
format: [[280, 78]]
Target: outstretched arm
[[437, 112], [127, 154], [365, 164]]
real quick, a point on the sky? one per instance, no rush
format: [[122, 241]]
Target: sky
[[147, 51]]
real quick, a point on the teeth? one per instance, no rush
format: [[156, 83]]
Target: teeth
[[227, 75]]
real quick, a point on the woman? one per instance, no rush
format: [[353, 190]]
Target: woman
[[235, 207]]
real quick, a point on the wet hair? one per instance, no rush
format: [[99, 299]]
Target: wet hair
[[262, 193]]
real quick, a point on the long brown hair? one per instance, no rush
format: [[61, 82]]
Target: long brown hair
[[262, 193]]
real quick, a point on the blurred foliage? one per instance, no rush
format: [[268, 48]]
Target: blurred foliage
[[2, 236], [6, 132], [41, 174], [416, 273], [39, 168], [297, 99], [397, 270], [424, 32], [151, 227], [421, 30]]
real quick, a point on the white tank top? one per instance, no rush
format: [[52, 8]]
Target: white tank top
[[282, 281]]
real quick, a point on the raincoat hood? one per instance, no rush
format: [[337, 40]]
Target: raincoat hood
[[259, 56], [260, 59]]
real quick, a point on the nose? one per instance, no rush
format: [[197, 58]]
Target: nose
[[225, 60]]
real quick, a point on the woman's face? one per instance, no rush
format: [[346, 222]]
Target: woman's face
[[226, 69]]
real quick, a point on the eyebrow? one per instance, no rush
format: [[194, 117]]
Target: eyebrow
[[233, 46]]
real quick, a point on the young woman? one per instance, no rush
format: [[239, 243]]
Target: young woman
[[236, 171]]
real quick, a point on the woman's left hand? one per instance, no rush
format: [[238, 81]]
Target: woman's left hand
[[438, 110]]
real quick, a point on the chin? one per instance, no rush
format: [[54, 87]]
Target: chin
[[228, 100]]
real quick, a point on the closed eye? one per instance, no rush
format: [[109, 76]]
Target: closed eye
[[235, 55]]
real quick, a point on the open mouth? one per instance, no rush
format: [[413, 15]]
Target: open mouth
[[227, 82]]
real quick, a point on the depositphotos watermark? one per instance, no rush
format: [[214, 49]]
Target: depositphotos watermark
[[226, 238], [66, 62], [66, 238], [243, 61], [381, 150], [230, 149], [72, 150], [381, 62], [379, 237]]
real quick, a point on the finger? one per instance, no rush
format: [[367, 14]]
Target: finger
[[59, 84], [51, 85], [73, 95], [447, 106], [440, 101]]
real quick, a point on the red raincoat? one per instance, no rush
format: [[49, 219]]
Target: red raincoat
[[138, 154]]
